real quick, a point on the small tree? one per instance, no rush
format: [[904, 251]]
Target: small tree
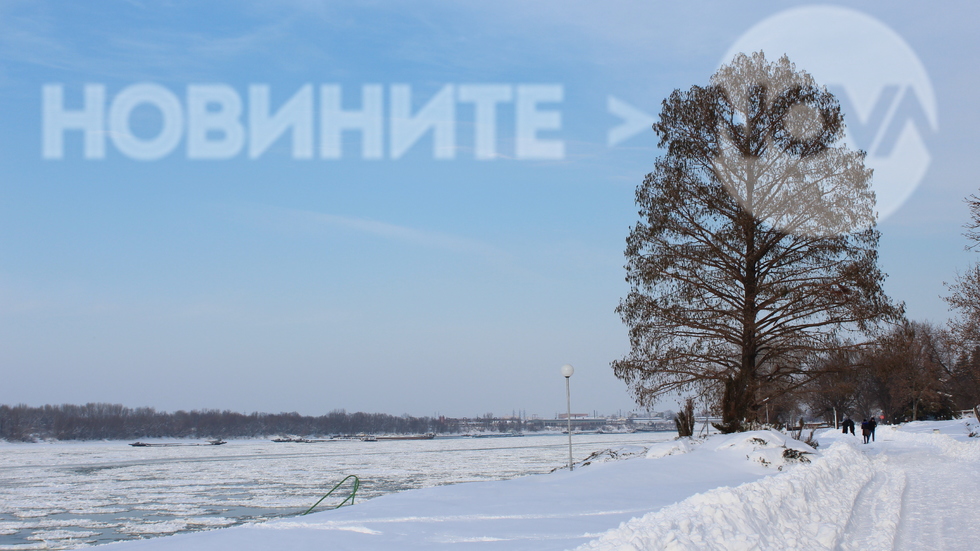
[[756, 243], [684, 421]]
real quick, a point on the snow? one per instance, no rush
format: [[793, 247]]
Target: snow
[[555, 511], [116, 489], [942, 481], [801, 509], [915, 487], [679, 446]]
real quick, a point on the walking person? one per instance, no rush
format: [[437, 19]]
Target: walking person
[[872, 424], [866, 430]]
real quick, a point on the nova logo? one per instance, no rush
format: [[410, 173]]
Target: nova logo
[[884, 91]]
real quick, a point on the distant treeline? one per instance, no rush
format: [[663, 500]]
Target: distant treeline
[[117, 422]]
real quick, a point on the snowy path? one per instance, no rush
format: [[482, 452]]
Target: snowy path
[[876, 512], [941, 509], [912, 489], [925, 494]]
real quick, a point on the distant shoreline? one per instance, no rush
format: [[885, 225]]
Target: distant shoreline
[[99, 421]]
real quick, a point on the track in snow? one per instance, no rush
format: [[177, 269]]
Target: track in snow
[[877, 510], [941, 506], [920, 498]]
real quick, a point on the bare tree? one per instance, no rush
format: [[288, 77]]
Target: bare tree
[[756, 243], [965, 379], [913, 362], [836, 390], [964, 298]]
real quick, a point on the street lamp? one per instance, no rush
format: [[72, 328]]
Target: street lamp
[[567, 371]]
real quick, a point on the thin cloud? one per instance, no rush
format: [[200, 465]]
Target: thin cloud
[[312, 222], [36, 36]]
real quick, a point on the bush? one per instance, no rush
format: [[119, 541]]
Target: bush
[[685, 419]]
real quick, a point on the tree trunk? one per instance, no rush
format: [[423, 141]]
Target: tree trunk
[[735, 403]]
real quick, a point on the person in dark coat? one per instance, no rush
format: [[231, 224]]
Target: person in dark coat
[[866, 430], [872, 424], [848, 425]]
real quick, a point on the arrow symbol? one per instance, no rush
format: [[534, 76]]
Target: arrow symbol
[[634, 121]]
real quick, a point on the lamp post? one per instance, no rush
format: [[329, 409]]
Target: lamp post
[[567, 371]]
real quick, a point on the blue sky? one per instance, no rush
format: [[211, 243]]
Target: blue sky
[[410, 285]]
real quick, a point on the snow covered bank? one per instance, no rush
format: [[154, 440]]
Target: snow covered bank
[[804, 508], [556, 511], [912, 489], [55, 495], [850, 498]]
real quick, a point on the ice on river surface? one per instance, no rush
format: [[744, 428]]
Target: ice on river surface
[[66, 495]]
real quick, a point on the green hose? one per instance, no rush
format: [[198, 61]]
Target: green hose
[[350, 498]]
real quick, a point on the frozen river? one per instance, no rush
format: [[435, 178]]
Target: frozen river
[[68, 495]]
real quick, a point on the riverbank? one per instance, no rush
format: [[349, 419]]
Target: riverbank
[[59, 495], [742, 491]]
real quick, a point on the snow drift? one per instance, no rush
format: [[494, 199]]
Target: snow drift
[[844, 499], [804, 508]]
